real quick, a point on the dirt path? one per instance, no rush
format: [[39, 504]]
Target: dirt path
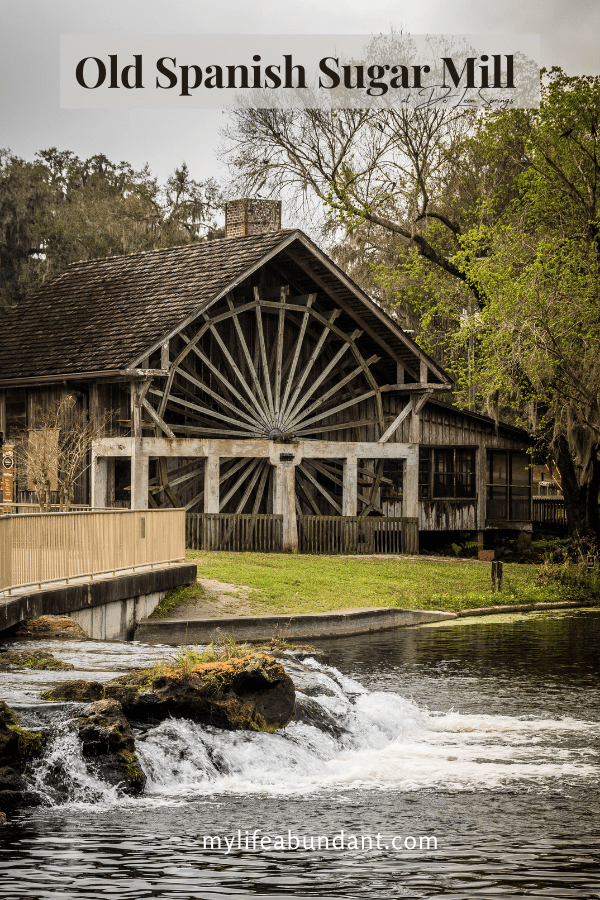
[[221, 600]]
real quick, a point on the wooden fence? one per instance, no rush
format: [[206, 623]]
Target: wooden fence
[[40, 548], [235, 532], [356, 534], [549, 512]]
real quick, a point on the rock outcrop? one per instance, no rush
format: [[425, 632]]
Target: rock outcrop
[[51, 627], [251, 693], [32, 659], [107, 739], [17, 747]]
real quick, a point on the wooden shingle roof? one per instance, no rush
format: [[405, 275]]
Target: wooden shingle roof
[[104, 315]]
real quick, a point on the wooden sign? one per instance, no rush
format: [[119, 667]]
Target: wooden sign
[[8, 477]]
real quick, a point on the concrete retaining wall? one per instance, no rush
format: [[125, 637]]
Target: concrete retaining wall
[[292, 627], [106, 608]]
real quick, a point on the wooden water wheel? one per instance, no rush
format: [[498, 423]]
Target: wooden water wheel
[[269, 367]]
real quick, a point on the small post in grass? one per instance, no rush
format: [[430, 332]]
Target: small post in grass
[[496, 576]]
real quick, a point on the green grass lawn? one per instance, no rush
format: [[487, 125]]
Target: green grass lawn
[[284, 583]]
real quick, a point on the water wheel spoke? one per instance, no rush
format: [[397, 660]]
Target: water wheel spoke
[[319, 381], [191, 343], [249, 489], [167, 488], [309, 500], [279, 354], [226, 383], [329, 412], [326, 333], [237, 371], [298, 347], [233, 467], [252, 368], [234, 488], [209, 413], [266, 466], [334, 390], [320, 488], [219, 398], [263, 356], [194, 501]]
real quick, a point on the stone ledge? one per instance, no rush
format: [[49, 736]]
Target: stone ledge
[[292, 627], [69, 598]]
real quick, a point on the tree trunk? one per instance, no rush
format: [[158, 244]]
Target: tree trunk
[[577, 462]]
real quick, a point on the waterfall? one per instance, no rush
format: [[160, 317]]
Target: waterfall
[[343, 737]]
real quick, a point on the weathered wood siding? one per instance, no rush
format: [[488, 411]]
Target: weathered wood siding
[[448, 515]]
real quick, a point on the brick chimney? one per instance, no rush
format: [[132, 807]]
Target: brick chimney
[[251, 217]]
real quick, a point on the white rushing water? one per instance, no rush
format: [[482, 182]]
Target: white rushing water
[[344, 737]]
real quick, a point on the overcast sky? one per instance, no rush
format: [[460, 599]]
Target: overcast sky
[[31, 118]]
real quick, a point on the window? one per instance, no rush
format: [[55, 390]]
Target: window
[[508, 485], [446, 473], [391, 484]]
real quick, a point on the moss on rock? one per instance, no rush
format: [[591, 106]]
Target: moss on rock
[[32, 659]]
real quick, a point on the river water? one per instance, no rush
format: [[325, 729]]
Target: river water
[[482, 738]]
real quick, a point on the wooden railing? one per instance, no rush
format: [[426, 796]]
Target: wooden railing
[[24, 509], [235, 532], [356, 534], [549, 512], [42, 548]]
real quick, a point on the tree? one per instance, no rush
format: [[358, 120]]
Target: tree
[[403, 171], [498, 232], [55, 450], [538, 337], [61, 209], [24, 195]]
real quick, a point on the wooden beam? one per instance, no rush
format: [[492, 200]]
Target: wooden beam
[[395, 424], [420, 386], [421, 401], [157, 419]]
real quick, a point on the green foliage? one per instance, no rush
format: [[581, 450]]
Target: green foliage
[[574, 579], [465, 549]]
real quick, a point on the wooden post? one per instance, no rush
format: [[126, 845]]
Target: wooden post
[[139, 478], [99, 478], [285, 497], [411, 484], [350, 487], [481, 481], [497, 576], [290, 524], [212, 470], [139, 461], [415, 421]]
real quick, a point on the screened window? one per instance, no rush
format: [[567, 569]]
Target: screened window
[[391, 483], [447, 472], [508, 487]]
